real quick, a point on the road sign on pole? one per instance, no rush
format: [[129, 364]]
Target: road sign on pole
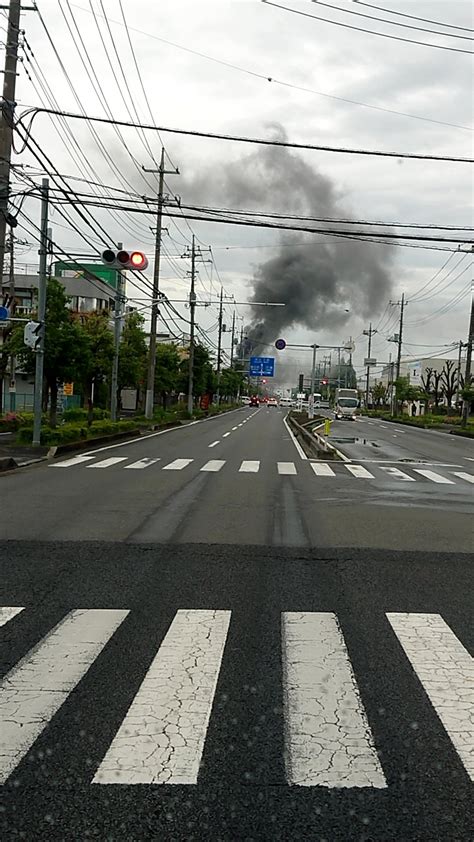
[[280, 344], [370, 361], [262, 367], [4, 313]]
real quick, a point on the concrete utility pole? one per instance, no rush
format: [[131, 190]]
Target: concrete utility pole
[[370, 332], [119, 298], [192, 309], [39, 361], [313, 377], [400, 334], [219, 346], [458, 378], [232, 341], [7, 117], [150, 384], [11, 293], [466, 407]]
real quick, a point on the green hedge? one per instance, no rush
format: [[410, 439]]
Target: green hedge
[[68, 433], [78, 414]]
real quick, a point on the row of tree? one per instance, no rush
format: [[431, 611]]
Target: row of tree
[[438, 388], [81, 350]]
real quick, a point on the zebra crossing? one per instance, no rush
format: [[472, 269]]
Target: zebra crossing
[[327, 735], [342, 471]]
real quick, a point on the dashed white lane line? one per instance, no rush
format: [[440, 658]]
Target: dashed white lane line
[[32, 692], [225, 435], [469, 458], [161, 739], [433, 476], [240, 425], [249, 467], [395, 472], [359, 472], [178, 464], [286, 468], [328, 739], [107, 463], [7, 614], [446, 671], [464, 475], [141, 464], [383, 426], [68, 463], [235, 428], [213, 465], [213, 444], [322, 470]]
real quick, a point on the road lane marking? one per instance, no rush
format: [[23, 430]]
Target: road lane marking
[[464, 475], [107, 463], [322, 470], [470, 458], [240, 425], [161, 739], [235, 428], [68, 463], [295, 441], [249, 467], [400, 431], [383, 426], [225, 435], [328, 740], [446, 671], [178, 464], [395, 472], [286, 468], [359, 472], [213, 465], [141, 464], [434, 477], [7, 614], [32, 692], [213, 444]]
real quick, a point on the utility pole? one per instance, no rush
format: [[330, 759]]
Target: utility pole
[[466, 407], [39, 361], [400, 335], [313, 377], [232, 341], [11, 292], [150, 384], [6, 121], [119, 297], [192, 308], [458, 379], [370, 332], [219, 346]]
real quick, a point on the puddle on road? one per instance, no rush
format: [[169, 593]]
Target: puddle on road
[[352, 440]]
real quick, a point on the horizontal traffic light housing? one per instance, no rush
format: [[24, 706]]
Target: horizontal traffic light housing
[[123, 259]]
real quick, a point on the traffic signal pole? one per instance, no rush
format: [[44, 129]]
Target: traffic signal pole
[[39, 361]]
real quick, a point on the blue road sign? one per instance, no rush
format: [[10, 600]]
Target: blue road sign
[[4, 313], [280, 344], [262, 366]]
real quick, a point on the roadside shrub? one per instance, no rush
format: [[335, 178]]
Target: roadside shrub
[[78, 414]]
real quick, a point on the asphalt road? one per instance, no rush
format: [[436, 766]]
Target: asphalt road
[[211, 637]]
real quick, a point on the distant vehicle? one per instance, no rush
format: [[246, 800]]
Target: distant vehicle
[[317, 400], [286, 402], [254, 401], [346, 403], [272, 402], [245, 400]]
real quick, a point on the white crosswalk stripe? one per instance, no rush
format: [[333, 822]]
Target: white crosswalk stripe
[[322, 470], [141, 464], [359, 471], [286, 468], [464, 475], [32, 692], [395, 472], [107, 463], [178, 464], [213, 465], [433, 476], [69, 463], [249, 467], [326, 728]]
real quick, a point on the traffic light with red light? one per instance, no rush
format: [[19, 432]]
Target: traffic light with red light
[[125, 259]]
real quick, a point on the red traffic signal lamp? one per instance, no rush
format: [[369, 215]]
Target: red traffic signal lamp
[[324, 381], [124, 259]]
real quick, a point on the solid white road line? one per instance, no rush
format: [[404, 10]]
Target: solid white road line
[[286, 468], [141, 464], [328, 739], [213, 444], [359, 472], [446, 671], [296, 443], [7, 614], [107, 463], [322, 470], [68, 463], [249, 467], [383, 427], [464, 475], [395, 472], [32, 692], [225, 435], [161, 739], [434, 477], [178, 464], [213, 465]]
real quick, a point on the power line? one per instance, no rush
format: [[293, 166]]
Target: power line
[[413, 17], [432, 292], [284, 144], [367, 31]]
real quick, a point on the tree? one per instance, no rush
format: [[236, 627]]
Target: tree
[[449, 378], [97, 363], [431, 385], [166, 370], [379, 394], [405, 392], [132, 353], [204, 380], [66, 346], [230, 382]]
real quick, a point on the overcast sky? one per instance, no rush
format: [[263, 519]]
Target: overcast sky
[[334, 64]]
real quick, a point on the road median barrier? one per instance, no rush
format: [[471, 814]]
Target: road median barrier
[[313, 442]]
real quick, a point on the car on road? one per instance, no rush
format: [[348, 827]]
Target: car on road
[[245, 400], [254, 401], [272, 402]]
